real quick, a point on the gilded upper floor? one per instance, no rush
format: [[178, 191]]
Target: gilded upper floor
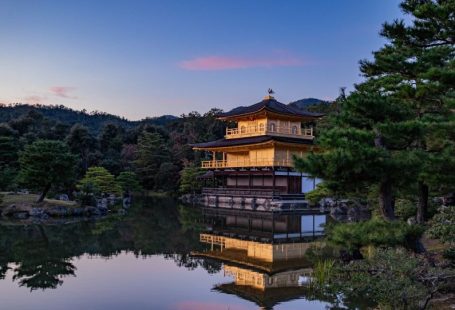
[[269, 117], [273, 127]]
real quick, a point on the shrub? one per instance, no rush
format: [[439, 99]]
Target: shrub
[[405, 208], [129, 182], [321, 191], [374, 232], [100, 181], [443, 225]]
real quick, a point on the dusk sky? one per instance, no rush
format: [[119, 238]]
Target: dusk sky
[[148, 58]]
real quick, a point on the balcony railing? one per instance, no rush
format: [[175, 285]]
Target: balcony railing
[[213, 164], [250, 131]]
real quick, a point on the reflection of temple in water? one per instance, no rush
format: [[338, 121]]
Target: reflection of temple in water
[[274, 227], [263, 252]]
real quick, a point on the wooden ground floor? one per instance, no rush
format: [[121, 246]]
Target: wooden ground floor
[[278, 181]]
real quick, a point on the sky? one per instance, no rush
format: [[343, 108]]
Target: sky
[[142, 59]]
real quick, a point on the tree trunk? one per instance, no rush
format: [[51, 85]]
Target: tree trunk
[[422, 205], [386, 201], [43, 194]]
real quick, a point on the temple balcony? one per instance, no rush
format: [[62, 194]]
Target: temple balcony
[[272, 130], [214, 164]]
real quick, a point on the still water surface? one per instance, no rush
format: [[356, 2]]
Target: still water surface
[[138, 261]]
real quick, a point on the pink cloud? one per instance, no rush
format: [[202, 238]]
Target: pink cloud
[[62, 91], [211, 63], [200, 305]]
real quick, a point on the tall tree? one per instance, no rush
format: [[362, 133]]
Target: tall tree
[[151, 153], [81, 143], [417, 65], [359, 150], [45, 163]]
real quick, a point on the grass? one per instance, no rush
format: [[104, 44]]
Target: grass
[[9, 199]]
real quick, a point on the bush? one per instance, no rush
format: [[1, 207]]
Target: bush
[[99, 181], [405, 209], [375, 232], [321, 191], [129, 182], [443, 225]]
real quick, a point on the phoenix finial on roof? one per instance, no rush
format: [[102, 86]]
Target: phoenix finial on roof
[[270, 91]]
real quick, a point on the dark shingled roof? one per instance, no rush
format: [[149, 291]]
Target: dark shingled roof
[[270, 105], [250, 140]]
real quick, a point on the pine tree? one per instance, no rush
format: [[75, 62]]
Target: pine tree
[[81, 143], [189, 182], [398, 127], [358, 151], [151, 153], [417, 66], [45, 163], [128, 181], [100, 181]]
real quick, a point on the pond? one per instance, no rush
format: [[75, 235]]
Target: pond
[[161, 255]]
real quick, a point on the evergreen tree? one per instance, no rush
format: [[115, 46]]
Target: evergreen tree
[[417, 66], [8, 161], [128, 181], [167, 177], [45, 163], [100, 181], [189, 182], [81, 143], [360, 150], [415, 73], [151, 153]]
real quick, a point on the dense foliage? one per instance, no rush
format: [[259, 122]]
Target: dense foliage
[[375, 232], [45, 163], [100, 181], [392, 278], [395, 132], [147, 154], [443, 225]]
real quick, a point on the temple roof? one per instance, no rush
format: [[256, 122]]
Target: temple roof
[[266, 299], [250, 140], [269, 104]]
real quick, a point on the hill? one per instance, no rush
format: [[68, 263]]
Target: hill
[[94, 120], [304, 104]]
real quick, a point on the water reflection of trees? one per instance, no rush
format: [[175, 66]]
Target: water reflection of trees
[[39, 256], [36, 274], [191, 262]]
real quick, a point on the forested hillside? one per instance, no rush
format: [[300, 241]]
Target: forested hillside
[[94, 121], [155, 149]]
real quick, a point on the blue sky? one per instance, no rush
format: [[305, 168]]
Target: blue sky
[[148, 58]]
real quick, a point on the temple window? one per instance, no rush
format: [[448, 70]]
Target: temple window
[[294, 130]]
